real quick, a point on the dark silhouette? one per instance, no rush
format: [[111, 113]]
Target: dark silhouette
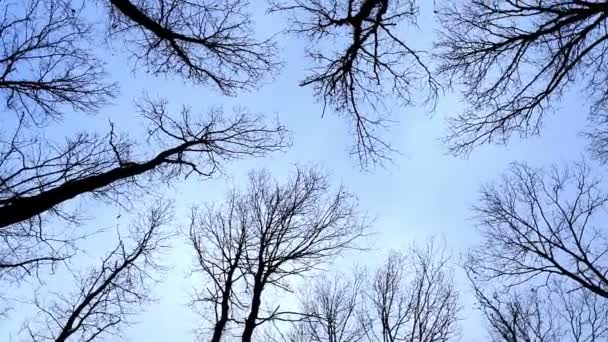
[[551, 313], [516, 59], [370, 62], [412, 298], [112, 292], [219, 236], [331, 311], [282, 230], [539, 274], [38, 178], [33, 185], [540, 225], [202, 41], [45, 65]]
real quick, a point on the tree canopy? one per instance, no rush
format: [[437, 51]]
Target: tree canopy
[[539, 271]]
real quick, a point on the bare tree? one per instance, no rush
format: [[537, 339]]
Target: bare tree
[[28, 248], [201, 40], [298, 225], [38, 227], [370, 62], [291, 228], [38, 177], [112, 292], [219, 236], [586, 313], [519, 317], [45, 64], [331, 311], [539, 224], [545, 315], [515, 60], [597, 135], [412, 298]]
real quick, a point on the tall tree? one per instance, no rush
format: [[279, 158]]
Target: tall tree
[[410, 297], [516, 59], [111, 293], [37, 178], [204, 41], [413, 298], [359, 59], [548, 314], [299, 225], [291, 228], [542, 225], [331, 311], [46, 64], [219, 236]]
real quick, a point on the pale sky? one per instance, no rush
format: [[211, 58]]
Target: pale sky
[[423, 193]]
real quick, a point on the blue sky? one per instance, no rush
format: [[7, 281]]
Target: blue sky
[[424, 192]]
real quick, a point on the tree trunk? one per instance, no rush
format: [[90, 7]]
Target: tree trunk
[[256, 302], [218, 330], [250, 323], [21, 209]]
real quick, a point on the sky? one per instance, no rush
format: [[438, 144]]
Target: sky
[[424, 192]]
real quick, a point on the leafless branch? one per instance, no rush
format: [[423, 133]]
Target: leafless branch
[[200, 40], [543, 225], [219, 236], [37, 177], [516, 58], [544, 315], [371, 61], [297, 226], [112, 292], [289, 228], [331, 310], [26, 249], [413, 297], [45, 64]]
